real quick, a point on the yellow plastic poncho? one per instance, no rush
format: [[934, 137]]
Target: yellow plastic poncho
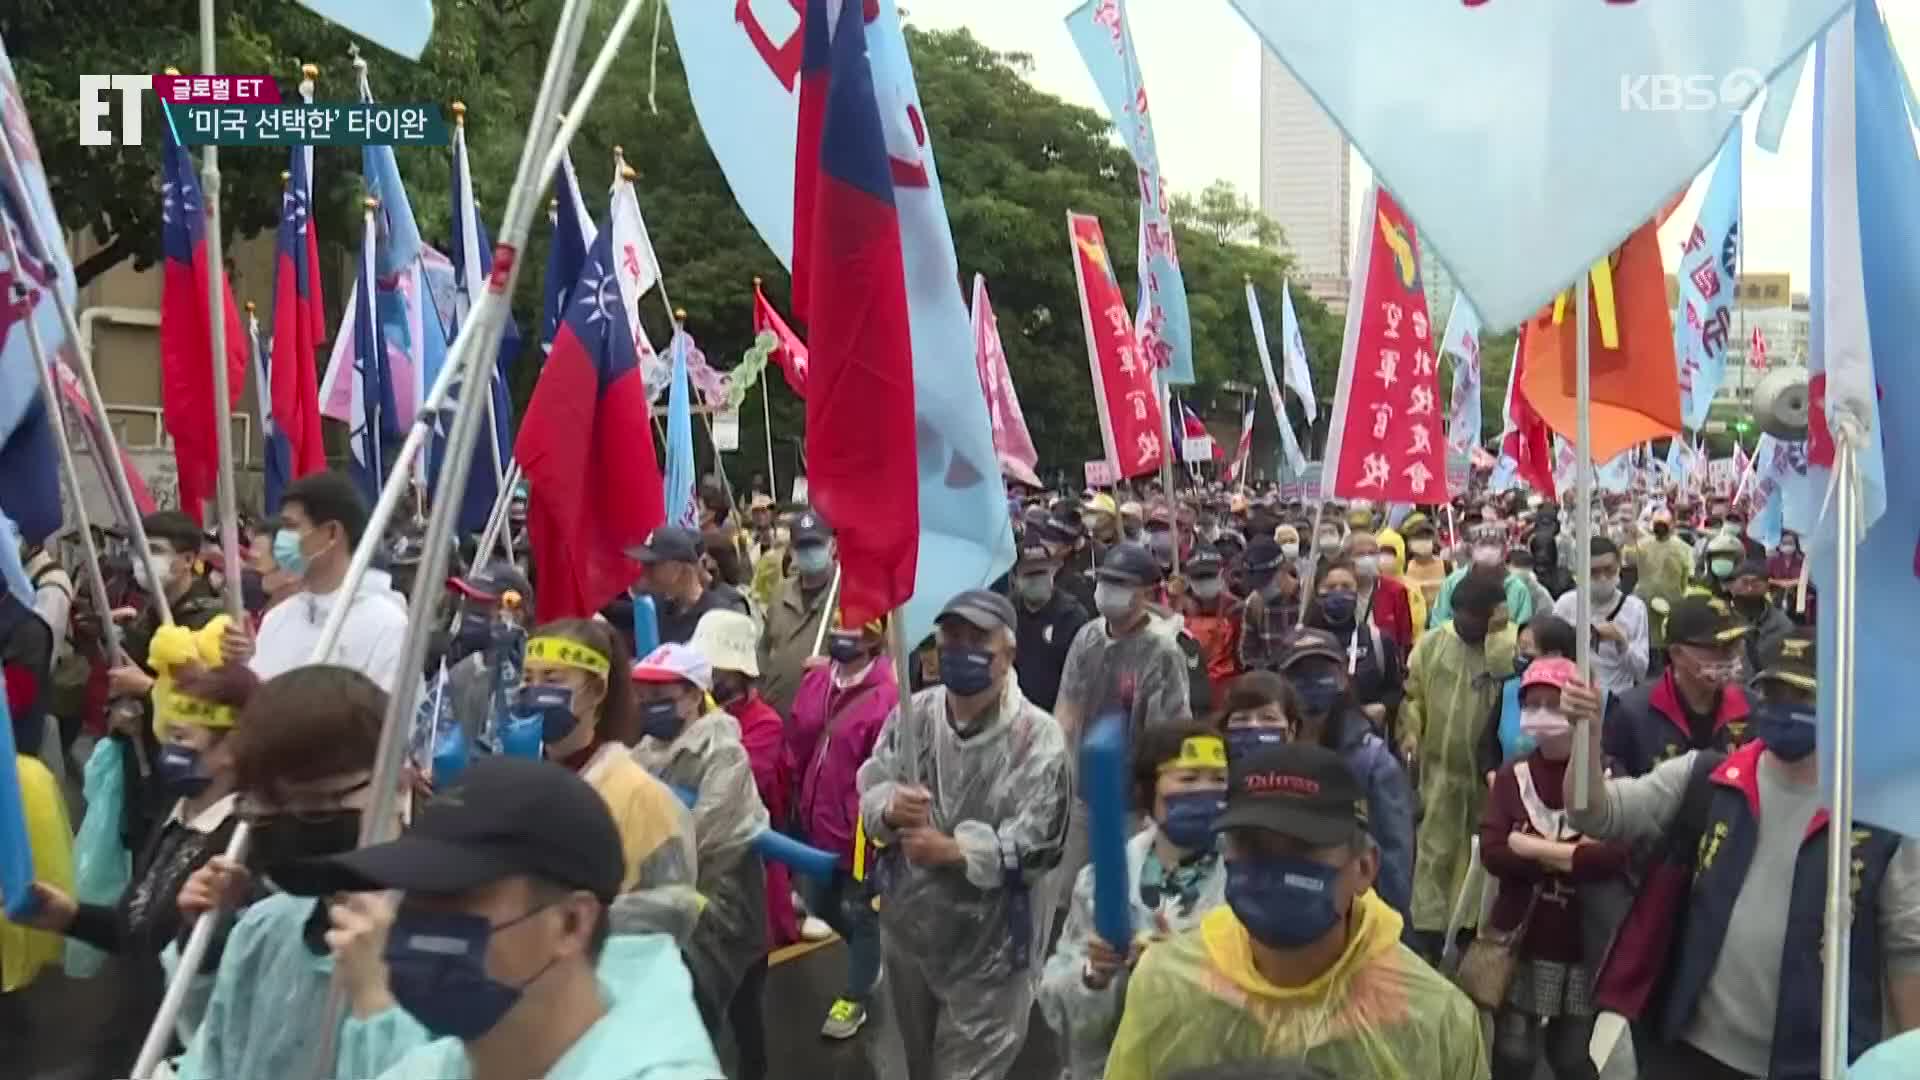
[[1451, 687], [1378, 1012], [24, 952], [1416, 594]]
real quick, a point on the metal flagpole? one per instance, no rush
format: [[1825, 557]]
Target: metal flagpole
[[1835, 961], [1582, 528], [766, 418], [217, 324], [1166, 467], [719, 463], [826, 618], [114, 467]]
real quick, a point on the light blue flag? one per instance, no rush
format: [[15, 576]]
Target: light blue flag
[[1679, 461], [682, 508], [1629, 103], [1866, 316], [1099, 30], [742, 81], [1779, 466], [400, 25], [1461, 342], [1708, 261], [1616, 475]]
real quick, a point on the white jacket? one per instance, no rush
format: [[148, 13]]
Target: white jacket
[[370, 642]]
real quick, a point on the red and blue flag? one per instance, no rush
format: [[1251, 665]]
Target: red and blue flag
[[294, 446], [573, 234], [374, 423]]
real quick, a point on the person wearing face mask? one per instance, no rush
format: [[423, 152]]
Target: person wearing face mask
[[1487, 547], [322, 518], [1621, 641], [1132, 523], [972, 807], [1783, 579], [275, 582], [1174, 878], [1718, 563], [1330, 715], [1520, 565], [303, 757], [1304, 962], [837, 718], [476, 622], [1543, 869], [1666, 561], [1370, 660], [693, 748], [1501, 739], [793, 618], [169, 568], [1697, 703], [1750, 599], [1381, 598], [1426, 569], [1049, 620], [503, 956], [1453, 681], [1738, 993], [1393, 566], [676, 580], [1101, 517], [1272, 610], [1210, 615]]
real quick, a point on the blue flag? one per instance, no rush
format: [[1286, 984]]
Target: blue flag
[[1709, 262], [573, 234], [276, 467], [1866, 318], [1099, 30], [682, 509], [1461, 345], [374, 426], [1627, 103]]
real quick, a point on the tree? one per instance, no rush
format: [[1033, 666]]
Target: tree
[[1221, 210]]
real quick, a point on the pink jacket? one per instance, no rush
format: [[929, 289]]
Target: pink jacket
[[829, 735]]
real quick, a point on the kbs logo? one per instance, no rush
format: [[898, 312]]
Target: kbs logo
[[1689, 93]]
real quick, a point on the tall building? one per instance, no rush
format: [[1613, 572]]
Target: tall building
[[1305, 181], [1438, 284]]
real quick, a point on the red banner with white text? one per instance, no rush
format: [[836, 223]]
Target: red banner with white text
[[1130, 419], [1387, 441]]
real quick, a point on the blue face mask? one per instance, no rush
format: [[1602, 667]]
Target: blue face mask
[[1242, 741], [966, 671], [553, 705], [1338, 606], [287, 553], [471, 634], [1788, 728], [1521, 662], [1190, 815], [844, 648], [1318, 693], [1284, 902], [180, 771], [660, 718], [812, 559], [437, 970]]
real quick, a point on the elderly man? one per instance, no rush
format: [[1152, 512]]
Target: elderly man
[[967, 796], [793, 618]]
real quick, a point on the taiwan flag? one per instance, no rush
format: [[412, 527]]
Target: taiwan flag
[[186, 338], [299, 325], [586, 447], [849, 284]]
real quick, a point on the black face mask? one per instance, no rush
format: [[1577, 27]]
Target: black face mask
[[280, 839]]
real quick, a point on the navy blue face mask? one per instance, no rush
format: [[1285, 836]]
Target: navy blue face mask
[[180, 771], [1190, 816], [1319, 693], [1788, 728], [660, 718], [437, 970], [843, 647], [966, 671], [1338, 606], [1242, 741], [1284, 902], [554, 707], [471, 634]]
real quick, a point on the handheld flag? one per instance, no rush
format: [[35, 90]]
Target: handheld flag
[[788, 350], [1296, 461], [1757, 350], [372, 426], [1526, 441], [186, 338], [298, 322], [1293, 349], [1131, 422], [276, 468], [1244, 449], [1461, 344], [1011, 443], [682, 508], [1708, 271], [573, 234], [860, 408]]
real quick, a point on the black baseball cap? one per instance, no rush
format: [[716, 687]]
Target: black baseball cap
[[1309, 642], [810, 528], [1301, 790], [669, 544], [1705, 621], [1129, 564], [1751, 568], [504, 816], [984, 608], [1034, 557], [492, 581], [1264, 554], [1793, 662], [1205, 562]]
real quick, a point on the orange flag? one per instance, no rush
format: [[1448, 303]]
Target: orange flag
[[1634, 382]]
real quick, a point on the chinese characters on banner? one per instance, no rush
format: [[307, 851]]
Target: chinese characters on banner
[[1387, 441], [1130, 420]]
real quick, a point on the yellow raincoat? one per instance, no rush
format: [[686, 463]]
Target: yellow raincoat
[[24, 952], [1416, 593], [1451, 688], [1379, 1012]]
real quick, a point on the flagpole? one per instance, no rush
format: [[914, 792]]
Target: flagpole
[[719, 463], [115, 469], [1166, 468], [69, 472], [1838, 917], [766, 417], [1582, 527], [217, 324]]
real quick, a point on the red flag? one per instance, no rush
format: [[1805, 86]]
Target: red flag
[[1131, 423], [1757, 350], [186, 338], [298, 328], [1530, 442], [586, 447], [1387, 440], [850, 281], [789, 352], [97, 442]]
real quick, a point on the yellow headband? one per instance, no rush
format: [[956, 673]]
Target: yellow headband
[[1199, 752], [568, 653], [178, 708]]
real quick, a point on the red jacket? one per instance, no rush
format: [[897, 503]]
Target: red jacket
[[831, 733], [1554, 933], [761, 732], [1392, 613]]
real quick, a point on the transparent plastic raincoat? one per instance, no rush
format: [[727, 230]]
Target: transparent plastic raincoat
[[1085, 1018], [731, 934], [1379, 1012], [650, 1030], [659, 894], [1001, 793], [263, 1016]]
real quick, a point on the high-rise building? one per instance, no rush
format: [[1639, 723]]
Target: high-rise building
[[1438, 284], [1305, 181]]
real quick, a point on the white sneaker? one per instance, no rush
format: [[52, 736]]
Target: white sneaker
[[814, 929]]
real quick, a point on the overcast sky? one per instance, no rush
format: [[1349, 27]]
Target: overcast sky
[[1201, 64]]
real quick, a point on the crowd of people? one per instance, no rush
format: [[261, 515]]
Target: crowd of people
[[1351, 850]]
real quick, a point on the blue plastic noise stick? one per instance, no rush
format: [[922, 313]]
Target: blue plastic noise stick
[[646, 626], [781, 848], [1103, 780]]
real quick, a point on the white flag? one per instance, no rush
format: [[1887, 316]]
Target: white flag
[[1296, 461], [1299, 379]]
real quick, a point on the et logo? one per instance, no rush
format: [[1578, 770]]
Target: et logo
[[96, 106]]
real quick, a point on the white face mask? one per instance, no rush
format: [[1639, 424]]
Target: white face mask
[[1290, 548], [154, 569], [1207, 588], [1114, 601], [1422, 547]]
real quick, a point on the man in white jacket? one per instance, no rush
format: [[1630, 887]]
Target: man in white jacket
[[321, 520]]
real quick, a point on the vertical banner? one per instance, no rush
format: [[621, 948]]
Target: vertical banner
[[1461, 342], [1011, 442], [1709, 263], [1386, 442], [1130, 421]]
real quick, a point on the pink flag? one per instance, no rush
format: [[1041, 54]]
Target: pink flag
[[97, 439], [1011, 443], [1757, 350]]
